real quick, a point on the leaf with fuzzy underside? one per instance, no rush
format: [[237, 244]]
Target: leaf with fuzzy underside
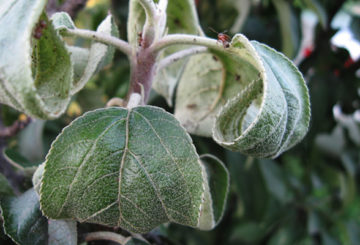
[[87, 62], [253, 98], [134, 168], [181, 18], [35, 73]]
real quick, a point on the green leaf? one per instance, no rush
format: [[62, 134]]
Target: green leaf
[[18, 160], [35, 74], [215, 195], [62, 20], [62, 232], [132, 168], [31, 143], [25, 224], [198, 88], [181, 18], [271, 113], [98, 56], [36, 178], [23, 220], [289, 27], [5, 187]]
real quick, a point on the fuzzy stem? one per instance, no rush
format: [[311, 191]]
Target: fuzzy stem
[[102, 38], [176, 39], [105, 235], [168, 60]]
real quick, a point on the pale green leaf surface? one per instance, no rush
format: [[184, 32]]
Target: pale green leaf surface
[[271, 114], [62, 20], [62, 232], [199, 96], [181, 18], [35, 74], [216, 194], [98, 56], [23, 220], [131, 168]]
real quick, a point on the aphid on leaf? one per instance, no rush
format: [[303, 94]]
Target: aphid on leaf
[[222, 38]]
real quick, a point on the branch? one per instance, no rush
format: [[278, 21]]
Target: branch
[[102, 38], [105, 235], [168, 60], [177, 39]]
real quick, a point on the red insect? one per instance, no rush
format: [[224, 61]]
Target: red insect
[[222, 38], [39, 29]]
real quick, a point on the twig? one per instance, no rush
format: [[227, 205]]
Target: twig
[[177, 39], [168, 60], [102, 38]]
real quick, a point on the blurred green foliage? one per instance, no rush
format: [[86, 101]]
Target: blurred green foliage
[[310, 194]]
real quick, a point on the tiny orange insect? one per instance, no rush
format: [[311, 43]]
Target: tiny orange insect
[[222, 38]]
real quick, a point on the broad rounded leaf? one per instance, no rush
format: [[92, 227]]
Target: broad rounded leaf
[[134, 168], [35, 73], [23, 220]]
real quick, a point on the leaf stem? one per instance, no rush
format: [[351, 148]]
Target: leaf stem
[[105, 235], [102, 38], [177, 39], [168, 60]]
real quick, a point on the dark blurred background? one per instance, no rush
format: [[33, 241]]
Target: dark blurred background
[[310, 194]]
